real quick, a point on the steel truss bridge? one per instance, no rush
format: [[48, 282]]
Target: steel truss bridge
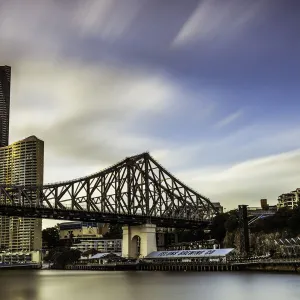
[[136, 190]]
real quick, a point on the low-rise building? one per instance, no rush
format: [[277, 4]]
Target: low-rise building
[[104, 258], [99, 244], [264, 207], [218, 207], [80, 229], [85, 236], [204, 244], [188, 256], [20, 257]]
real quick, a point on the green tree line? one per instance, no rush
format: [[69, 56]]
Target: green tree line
[[284, 220]]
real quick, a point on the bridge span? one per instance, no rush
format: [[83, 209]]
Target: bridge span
[[137, 192]]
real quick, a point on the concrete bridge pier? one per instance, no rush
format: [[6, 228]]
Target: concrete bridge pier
[[138, 241]]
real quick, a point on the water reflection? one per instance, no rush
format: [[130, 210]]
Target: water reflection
[[77, 285], [19, 285]]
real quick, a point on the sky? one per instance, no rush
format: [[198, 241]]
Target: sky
[[210, 88]]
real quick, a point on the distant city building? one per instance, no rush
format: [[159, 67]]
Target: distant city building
[[5, 75], [85, 236], [20, 257], [204, 244], [289, 200], [102, 258], [264, 206], [22, 163], [99, 244], [218, 207], [81, 230], [264, 203]]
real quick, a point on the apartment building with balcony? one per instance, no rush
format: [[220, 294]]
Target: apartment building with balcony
[[289, 200], [22, 163]]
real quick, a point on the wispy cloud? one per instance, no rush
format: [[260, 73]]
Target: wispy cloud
[[92, 113], [98, 106], [229, 119], [217, 18], [248, 182], [44, 36], [109, 19]]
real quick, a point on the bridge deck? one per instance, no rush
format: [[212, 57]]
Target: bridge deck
[[87, 216]]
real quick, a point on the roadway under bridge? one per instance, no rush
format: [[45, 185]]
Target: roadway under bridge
[[258, 214]]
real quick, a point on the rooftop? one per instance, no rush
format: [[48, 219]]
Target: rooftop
[[191, 253]]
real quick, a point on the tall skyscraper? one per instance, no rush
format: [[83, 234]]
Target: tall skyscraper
[[22, 163], [5, 75]]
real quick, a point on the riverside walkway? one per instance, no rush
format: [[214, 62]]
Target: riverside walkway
[[290, 265]]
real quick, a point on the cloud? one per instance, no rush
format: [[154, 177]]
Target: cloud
[[88, 122], [92, 112], [229, 119], [248, 182], [88, 113], [50, 28], [85, 111], [29, 30], [108, 19], [225, 168], [217, 19]]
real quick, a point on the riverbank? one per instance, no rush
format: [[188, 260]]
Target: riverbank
[[19, 266], [274, 269], [188, 268], [108, 267]]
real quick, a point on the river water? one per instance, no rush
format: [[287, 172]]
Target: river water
[[85, 285]]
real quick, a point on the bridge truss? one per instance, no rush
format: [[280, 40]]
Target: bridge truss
[[136, 190]]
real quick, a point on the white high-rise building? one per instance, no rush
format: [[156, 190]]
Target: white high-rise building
[[21, 163]]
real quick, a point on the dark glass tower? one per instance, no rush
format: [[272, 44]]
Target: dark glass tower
[[5, 75]]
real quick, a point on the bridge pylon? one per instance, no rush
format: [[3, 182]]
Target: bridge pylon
[[138, 240], [244, 230]]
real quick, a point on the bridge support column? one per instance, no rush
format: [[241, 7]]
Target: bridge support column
[[244, 231], [139, 241]]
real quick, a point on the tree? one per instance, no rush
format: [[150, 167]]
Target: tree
[[50, 237], [115, 232], [66, 257], [275, 223], [294, 222], [232, 222], [189, 235], [90, 252], [218, 230]]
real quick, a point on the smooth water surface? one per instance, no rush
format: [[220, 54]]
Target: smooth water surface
[[79, 285]]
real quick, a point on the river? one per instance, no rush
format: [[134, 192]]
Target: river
[[85, 285]]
